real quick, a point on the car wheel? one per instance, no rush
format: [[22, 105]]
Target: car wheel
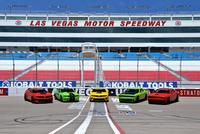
[[168, 101], [51, 101], [61, 99], [145, 98], [32, 100], [25, 98], [177, 99], [55, 97], [137, 99]]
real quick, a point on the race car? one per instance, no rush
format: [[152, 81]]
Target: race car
[[66, 95], [38, 95], [99, 94], [133, 95], [164, 96]]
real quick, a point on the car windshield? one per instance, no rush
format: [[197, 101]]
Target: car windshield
[[40, 91], [162, 91], [131, 91], [67, 90], [98, 90]]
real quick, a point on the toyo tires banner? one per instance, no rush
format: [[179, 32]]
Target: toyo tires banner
[[142, 84], [38, 84]]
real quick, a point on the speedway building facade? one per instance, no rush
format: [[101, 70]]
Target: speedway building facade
[[141, 41], [128, 25]]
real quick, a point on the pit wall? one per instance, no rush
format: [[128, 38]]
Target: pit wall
[[85, 91]]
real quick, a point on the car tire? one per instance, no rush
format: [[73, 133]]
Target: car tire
[[145, 98], [55, 97], [25, 99], [177, 99], [32, 100], [137, 99], [51, 101], [61, 99], [168, 101]]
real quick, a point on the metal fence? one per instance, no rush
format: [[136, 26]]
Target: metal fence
[[111, 66]]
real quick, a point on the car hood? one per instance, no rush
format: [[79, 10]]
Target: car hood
[[96, 93], [43, 94], [126, 94], [159, 95], [67, 93]]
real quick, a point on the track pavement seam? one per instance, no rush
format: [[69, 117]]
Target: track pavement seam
[[113, 124]]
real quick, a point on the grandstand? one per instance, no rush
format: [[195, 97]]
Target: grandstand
[[135, 40]]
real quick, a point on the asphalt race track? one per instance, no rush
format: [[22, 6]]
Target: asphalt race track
[[20, 117]]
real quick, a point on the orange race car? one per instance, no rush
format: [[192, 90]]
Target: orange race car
[[164, 96], [38, 95]]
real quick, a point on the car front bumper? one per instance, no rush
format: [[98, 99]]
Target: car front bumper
[[127, 99], [68, 99], [157, 100], [99, 98]]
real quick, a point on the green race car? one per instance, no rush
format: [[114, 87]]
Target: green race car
[[66, 95], [133, 95]]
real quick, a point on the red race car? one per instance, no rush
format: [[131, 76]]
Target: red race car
[[38, 95], [164, 96]]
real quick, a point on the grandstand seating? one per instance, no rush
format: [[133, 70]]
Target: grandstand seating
[[116, 66]]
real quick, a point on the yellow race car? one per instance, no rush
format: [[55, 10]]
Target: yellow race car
[[99, 94]]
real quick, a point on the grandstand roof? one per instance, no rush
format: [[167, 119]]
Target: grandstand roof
[[101, 6]]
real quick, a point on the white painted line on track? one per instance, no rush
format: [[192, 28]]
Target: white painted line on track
[[83, 127], [78, 105], [156, 111], [119, 106], [69, 122], [123, 107], [114, 128], [115, 100]]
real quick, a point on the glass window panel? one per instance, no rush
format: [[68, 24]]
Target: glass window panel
[[57, 18], [140, 18], [98, 18], [78, 18], [119, 18], [181, 18], [196, 18], [16, 18], [160, 18], [2, 17], [36, 18]]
